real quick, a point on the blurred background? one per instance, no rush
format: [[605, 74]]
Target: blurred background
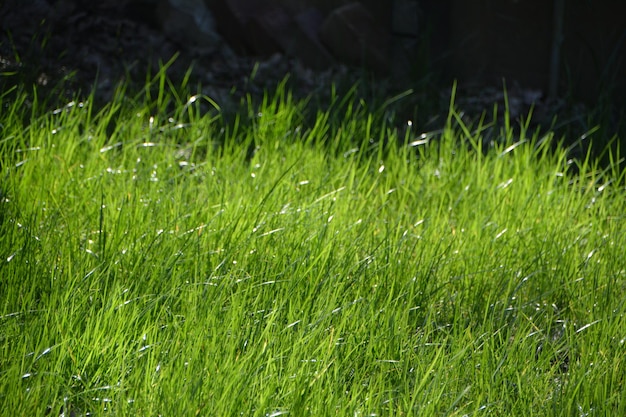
[[556, 55]]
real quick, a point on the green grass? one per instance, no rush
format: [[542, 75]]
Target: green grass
[[159, 262]]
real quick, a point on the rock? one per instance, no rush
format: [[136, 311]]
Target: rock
[[308, 47], [297, 37], [264, 29], [351, 34], [234, 17], [188, 22], [405, 44], [271, 31], [405, 20]]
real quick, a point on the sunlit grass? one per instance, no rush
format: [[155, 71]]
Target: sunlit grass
[[156, 262]]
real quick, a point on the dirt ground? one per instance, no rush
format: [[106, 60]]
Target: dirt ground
[[69, 48]]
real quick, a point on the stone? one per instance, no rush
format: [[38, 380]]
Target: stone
[[405, 20], [351, 34], [296, 37], [233, 21], [308, 46], [264, 29], [269, 30], [188, 22], [310, 22]]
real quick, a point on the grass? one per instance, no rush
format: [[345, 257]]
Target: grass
[[155, 261]]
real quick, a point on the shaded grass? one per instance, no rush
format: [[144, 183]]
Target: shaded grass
[[159, 262]]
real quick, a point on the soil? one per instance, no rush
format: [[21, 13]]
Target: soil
[[71, 48]]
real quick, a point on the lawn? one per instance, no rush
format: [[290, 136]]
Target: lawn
[[155, 260]]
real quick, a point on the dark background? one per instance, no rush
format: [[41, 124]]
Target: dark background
[[567, 60]]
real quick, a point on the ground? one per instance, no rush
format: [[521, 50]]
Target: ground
[[79, 47], [67, 48]]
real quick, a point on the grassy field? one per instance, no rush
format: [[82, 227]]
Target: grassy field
[[154, 261]]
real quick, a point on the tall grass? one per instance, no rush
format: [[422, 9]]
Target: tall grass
[[155, 261]]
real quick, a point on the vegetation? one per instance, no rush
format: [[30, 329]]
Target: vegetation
[[157, 261]]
